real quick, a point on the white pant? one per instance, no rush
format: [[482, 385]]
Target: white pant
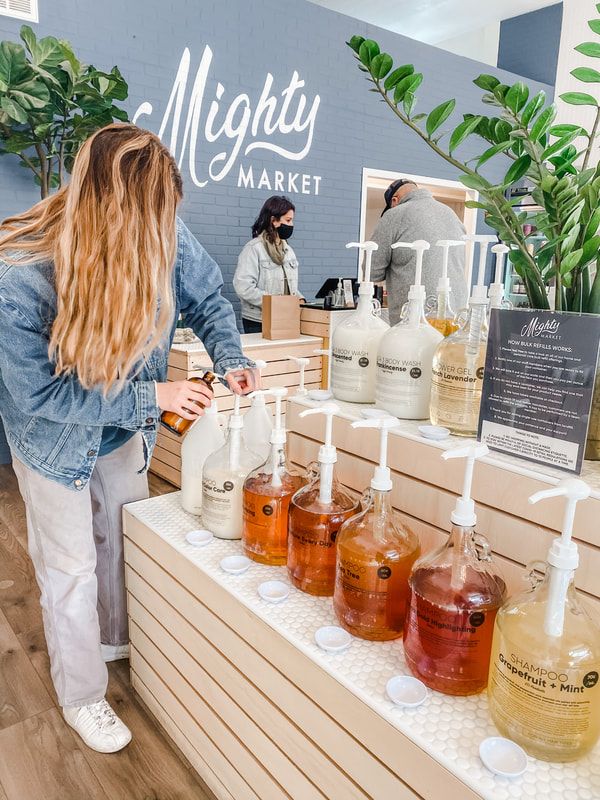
[[76, 545]]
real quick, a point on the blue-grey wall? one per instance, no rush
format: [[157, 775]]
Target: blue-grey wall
[[353, 128], [529, 43]]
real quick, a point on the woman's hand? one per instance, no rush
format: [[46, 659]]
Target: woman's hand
[[243, 381], [186, 398]]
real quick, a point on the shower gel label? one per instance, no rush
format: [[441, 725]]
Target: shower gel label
[[398, 375], [538, 387], [553, 704]]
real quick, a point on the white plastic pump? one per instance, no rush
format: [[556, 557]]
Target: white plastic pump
[[278, 434], [258, 422], [417, 290], [302, 363], [327, 452], [327, 354], [563, 556], [446, 244], [382, 480], [364, 280], [464, 511], [479, 293], [496, 291]]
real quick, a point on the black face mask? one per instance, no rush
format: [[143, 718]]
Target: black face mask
[[285, 231]]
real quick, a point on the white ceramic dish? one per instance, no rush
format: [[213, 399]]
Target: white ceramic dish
[[333, 639], [406, 691], [435, 432], [199, 538], [503, 757], [235, 565], [320, 394], [274, 591]]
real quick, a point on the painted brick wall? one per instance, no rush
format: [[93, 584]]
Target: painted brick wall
[[529, 43], [353, 128]]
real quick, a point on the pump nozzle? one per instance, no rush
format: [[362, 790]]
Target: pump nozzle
[[278, 433], [563, 556], [464, 511], [382, 480], [446, 244], [496, 291], [302, 363], [479, 294], [327, 353], [368, 248], [327, 452], [419, 246]]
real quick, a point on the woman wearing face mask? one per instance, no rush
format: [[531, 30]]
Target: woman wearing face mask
[[267, 264]]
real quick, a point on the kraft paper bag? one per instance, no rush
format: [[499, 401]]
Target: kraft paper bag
[[281, 317]]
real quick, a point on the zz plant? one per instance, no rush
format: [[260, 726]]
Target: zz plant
[[50, 102], [556, 160]]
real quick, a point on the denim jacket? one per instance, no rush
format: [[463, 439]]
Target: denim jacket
[[256, 275], [52, 423]]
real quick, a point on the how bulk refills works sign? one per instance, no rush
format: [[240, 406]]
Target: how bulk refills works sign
[[538, 385]]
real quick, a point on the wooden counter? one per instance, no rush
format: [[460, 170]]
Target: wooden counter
[[190, 360], [263, 714]]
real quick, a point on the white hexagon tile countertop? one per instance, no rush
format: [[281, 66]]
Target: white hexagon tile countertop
[[450, 729]]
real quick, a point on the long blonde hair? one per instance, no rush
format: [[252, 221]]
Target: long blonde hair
[[111, 235]]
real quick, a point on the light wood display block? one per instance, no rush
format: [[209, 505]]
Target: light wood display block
[[190, 360], [263, 714]]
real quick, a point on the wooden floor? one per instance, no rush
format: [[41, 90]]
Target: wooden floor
[[41, 758]]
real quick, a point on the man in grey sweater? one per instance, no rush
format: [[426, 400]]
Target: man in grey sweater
[[412, 213]]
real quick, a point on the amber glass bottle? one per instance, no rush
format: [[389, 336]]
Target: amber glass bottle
[[173, 421], [375, 554]]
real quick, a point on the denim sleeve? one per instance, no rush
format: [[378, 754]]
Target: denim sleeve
[[29, 377], [204, 309], [245, 280]]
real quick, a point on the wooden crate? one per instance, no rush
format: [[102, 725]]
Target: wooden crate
[[190, 360]]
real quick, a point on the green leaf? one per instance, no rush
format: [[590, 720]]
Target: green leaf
[[397, 75], [380, 66], [367, 51], [31, 95], [543, 122], [475, 204], [586, 74], [591, 250], [48, 52], [595, 23], [28, 37], [355, 43], [409, 103], [487, 82], [464, 130], [591, 49], [533, 107], [492, 151], [561, 143], [570, 261], [474, 182], [562, 130], [517, 170], [439, 115], [409, 84], [14, 68], [579, 98], [13, 110], [516, 97]]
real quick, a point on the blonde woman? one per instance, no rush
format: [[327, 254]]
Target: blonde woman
[[92, 281]]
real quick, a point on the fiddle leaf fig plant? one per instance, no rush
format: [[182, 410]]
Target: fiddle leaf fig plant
[[50, 102], [555, 159]]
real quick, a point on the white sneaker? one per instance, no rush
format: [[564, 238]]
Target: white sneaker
[[114, 652], [98, 726]]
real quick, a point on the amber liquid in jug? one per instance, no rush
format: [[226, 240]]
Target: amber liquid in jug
[[374, 559], [178, 425], [313, 530]]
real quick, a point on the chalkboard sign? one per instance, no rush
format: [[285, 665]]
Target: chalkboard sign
[[538, 385]]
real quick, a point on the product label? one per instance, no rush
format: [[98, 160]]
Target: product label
[[453, 632], [456, 392], [401, 379], [548, 704], [221, 505], [349, 367]]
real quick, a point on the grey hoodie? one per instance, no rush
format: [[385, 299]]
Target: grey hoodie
[[418, 216]]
